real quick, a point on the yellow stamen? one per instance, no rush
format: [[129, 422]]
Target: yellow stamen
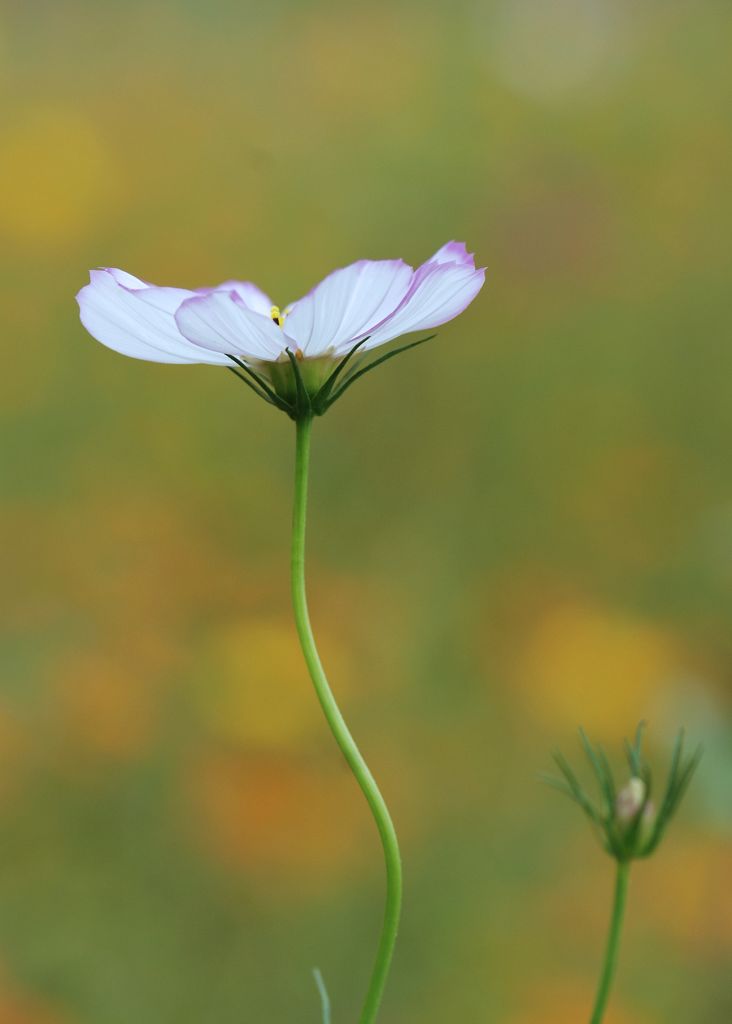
[[277, 316]]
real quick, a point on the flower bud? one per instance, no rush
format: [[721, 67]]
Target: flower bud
[[630, 799], [629, 824]]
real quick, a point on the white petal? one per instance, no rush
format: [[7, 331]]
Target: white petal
[[220, 322], [253, 297], [347, 305], [453, 252], [136, 319], [128, 280], [439, 292]]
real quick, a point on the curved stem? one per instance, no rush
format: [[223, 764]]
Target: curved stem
[[613, 942], [341, 732]]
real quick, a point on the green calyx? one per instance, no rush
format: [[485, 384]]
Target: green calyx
[[303, 387], [627, 821]]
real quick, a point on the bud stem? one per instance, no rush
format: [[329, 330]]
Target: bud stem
[[613, 942]]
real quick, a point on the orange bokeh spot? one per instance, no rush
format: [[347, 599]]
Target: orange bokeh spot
[[570, 1002], [13, 745], [686, 892], [104, 710], [277, 817], [18, 1008]]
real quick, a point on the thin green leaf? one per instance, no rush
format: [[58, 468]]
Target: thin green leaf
[[559, 784], [633, 753], [685, 777], [680, 776], [579, 794], [600, 768], [667, 803], [607, 772], [323, 992]]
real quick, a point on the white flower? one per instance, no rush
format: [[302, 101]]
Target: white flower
[[235, 324]]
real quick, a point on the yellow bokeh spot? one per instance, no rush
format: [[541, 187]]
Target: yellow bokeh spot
[[258, 692], [56, 177], [594, 666]]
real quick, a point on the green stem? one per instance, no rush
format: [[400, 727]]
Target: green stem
[[613, 942], [342, 734]]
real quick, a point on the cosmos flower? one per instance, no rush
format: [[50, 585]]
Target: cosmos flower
[[300, 359], [294, 357]]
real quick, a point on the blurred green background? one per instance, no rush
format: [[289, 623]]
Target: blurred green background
[[523, 526]]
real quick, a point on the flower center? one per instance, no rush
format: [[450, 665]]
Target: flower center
[[279, 316]]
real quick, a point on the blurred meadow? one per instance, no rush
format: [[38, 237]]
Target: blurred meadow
[[523, 526]]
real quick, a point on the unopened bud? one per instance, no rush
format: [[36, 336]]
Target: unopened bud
[[630, 799]]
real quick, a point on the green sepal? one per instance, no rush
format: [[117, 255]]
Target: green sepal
[[255, 389], [311, 399], [303, 405], [320, 399], [269, 395], [372, 366]]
